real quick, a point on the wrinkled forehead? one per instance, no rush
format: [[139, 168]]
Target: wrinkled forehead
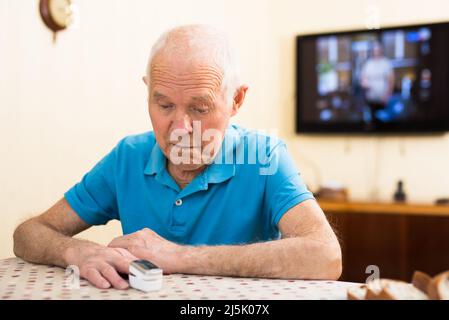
[[172, 74]]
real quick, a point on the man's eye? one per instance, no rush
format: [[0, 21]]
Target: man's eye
[[166, 106], [200, 110]]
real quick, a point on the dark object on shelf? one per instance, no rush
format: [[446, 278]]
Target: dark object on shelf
[[399, 195], [442, 201]]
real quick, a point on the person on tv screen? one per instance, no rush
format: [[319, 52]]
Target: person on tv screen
[[377, 80]]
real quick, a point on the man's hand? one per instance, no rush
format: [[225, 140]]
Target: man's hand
[[48, 239], [147, 244], [100, 265]]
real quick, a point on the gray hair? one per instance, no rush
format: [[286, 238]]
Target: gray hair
[[205, 42]]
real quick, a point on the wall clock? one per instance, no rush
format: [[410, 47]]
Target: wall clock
[[56, 14]]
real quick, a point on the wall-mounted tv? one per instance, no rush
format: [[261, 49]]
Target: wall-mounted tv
[[374, 81]]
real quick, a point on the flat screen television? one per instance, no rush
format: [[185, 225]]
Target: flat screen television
[[374, 81]]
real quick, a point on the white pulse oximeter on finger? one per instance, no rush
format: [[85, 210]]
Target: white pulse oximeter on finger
[[145, 276]]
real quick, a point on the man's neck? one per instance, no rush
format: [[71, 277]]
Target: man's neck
[[183, 175]]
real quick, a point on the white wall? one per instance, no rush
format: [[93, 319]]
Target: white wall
[[63, 106]]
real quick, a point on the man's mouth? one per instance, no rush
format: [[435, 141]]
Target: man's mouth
[[184, 146]]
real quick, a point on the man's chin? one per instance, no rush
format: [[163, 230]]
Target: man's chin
[[188, 166]]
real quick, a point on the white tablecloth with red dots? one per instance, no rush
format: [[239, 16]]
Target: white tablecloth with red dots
[[23, 280]]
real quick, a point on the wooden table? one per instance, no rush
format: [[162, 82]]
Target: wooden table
[[22, 280]]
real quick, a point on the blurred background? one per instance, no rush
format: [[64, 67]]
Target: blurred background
[[65, 104]]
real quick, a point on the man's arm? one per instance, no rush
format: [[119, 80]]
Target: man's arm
[[308, 249], [44, 239], [47, 239], [390, 89]]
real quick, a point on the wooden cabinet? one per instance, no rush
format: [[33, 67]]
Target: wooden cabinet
[[398, 238]]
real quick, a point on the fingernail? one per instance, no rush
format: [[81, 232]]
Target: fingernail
[[124, 285]]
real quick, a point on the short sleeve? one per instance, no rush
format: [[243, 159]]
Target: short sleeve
[[94, 197], [284, 186]]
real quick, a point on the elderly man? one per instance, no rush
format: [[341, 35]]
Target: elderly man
[[187, 199]]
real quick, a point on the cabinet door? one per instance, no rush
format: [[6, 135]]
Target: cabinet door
[[397, 244]]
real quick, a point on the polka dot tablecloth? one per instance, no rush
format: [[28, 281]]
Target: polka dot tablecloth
[[23, 280]]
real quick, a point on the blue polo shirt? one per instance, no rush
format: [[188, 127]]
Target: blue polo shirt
[[239, 198]]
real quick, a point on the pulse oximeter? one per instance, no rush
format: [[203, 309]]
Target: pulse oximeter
[[145, 276]]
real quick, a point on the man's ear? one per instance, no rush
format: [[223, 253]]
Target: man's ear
[[239, 97], [145, 80]]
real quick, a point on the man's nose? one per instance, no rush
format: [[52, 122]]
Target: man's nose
[[182, 122]]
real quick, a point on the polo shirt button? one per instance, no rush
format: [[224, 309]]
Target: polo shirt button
[[178, 202]]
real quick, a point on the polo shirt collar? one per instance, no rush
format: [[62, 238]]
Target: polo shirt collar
[[156, 162]]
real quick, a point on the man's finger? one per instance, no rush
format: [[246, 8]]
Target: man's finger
[[140, 252], [125, 253], [108, 272], [119, 243], [94, 276], [121, 264]]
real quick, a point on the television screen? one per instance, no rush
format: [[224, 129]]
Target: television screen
[[384, 80]]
